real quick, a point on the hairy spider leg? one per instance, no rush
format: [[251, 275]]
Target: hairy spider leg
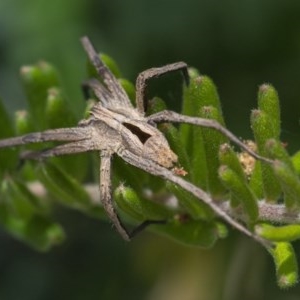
[[105, 194], [65, 149], [52, 135], [173, 117], [104, 96], [201, 195], [144, 77], [120, 97]]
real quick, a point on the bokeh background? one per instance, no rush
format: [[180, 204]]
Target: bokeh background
[[240, 44]]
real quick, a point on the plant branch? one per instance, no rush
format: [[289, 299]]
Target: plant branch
[[276, 213]]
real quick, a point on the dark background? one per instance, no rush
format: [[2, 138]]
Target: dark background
[[240, 45]]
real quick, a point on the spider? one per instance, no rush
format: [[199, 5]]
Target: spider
[[116, 127]]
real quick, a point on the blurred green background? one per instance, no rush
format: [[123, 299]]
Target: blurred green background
[[240, 45]]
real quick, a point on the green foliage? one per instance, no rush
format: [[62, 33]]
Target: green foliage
[[205, 158], [262, 126], [290, 184], [140, 209], [37, 80], [56, 107], [286, 264], [8, 158], [286, 233], [66, 189], [241, 191], [26, 217], [193, 233]]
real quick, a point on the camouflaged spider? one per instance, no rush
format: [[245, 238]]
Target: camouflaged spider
[[116, 127]]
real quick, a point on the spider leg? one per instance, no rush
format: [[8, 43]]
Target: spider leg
[[145, 224], [157, 170], [120, 97], [65, 149], [99, 90], [106, 200], [105, 194], [58, 135], [170, 116], [144, 77]]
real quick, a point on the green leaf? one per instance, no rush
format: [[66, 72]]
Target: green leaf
[[24, 125], [193, 73], [228, 157], [172, 135], [263, 130], [276, 150], [23, 215], [89, 104], [256, 182], [67, 190], [200, 92], [18, 202], [286, 264], [42, 234], [133, 177], [23, 122], [286, 233], [268, 102], [22, 201], [58, 113], [188, 108], [38, 232], [195, 208], [37, 79], [296, 162], [156, 105], [212, 141], [201, 99], [129, 89], [240, 190], [140, 208], [290, 184], [109, 62], [194, 233], [288, 179], [8, 157]]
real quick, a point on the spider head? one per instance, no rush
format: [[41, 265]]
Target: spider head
[[148, 142], [157, 149]]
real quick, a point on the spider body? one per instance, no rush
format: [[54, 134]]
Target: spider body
[[135, 135], [116, 127]]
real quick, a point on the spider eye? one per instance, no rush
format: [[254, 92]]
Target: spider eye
[[142, 136]]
